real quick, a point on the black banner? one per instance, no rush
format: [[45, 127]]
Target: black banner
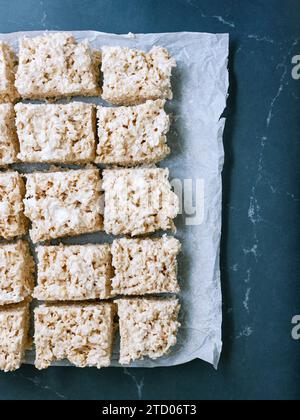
[[133, 409]]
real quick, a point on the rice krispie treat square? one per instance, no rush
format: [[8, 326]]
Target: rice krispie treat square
[[76, 272], [12, 220], [55, 65], [16, 272], [8, 63], [14, 335], [144, 266], [81, 333], [8, 137], [133, 135], [66, 203], [148, 327], [51, 133], [133, 76], [138, 201]]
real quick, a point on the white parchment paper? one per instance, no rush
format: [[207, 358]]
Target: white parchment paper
[[200, 85]]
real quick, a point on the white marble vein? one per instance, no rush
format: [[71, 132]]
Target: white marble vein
[[234, 267], [247, 300], [258, 38], [248, 276], [36, 382], [223, 20], [254, 210], [293, 197], [139, 384], [246, 332], [252, 250], [44, 15]]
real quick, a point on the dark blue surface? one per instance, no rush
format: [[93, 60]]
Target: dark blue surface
[[260, 246]]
